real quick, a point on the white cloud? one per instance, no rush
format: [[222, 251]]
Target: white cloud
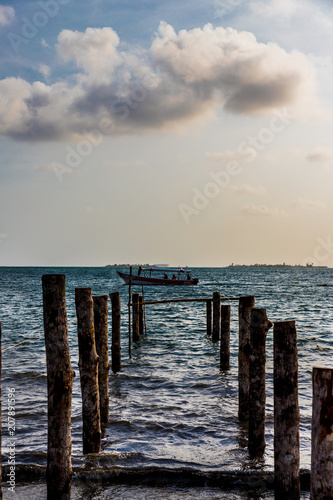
[[233, 67], [184, 76], [245, 189], [94, 51], [262, 210], [304, 203], [284, 9], [45, 70], [7, 15]]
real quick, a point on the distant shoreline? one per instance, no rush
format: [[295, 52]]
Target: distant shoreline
[[279, 266]]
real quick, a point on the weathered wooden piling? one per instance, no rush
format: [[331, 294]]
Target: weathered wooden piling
[[225, 338], [257, 393], [246, 304], [101, 339], [129, 313], [209, 316], [216, 316], [59, 388], [286, 412], [141, 321], [116, 344], [88, 364], [136, 321], [322, 435], [0, 421]]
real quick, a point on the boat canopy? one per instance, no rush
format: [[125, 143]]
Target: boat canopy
[[167, 269]]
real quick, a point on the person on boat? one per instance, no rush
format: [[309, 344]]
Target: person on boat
[[165, 276], [188, 277], [139, 270], [174, 277]]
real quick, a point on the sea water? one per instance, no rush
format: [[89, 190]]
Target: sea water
[[170, 406]]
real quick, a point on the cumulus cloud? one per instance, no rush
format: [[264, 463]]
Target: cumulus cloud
[[183, 77], [262, 210], [94, 51], [7, 15]]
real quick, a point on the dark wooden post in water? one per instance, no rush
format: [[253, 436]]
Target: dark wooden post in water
[[136, 326], [116, 345], [101, 339], [0, 422], [216, 316], [59, 388], [257, 395], [141, 323], [322, 434], [246, 304], [129, 314], [225, 338], [88, 364], [209, 316], [286, 412]]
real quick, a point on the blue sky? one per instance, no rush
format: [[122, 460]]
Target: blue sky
[[189, 133]]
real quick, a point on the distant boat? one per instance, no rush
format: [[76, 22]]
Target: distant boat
[[169, 277]]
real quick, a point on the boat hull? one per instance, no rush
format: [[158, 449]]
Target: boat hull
[[146, 280]]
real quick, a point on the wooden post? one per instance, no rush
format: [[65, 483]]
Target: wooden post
[[322, 434], [209, 316], [257, 394], [59, 388], [286, 412], [88, 364], [225, 338], [129, 314], [216, 316], [136, 325], [246, 304], [101, 339], [144, 310], [0, 422], [141, 324], [116, 344]]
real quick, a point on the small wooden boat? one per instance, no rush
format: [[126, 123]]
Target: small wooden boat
[[172, 276]]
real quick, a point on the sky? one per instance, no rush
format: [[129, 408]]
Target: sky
[[193, 133]]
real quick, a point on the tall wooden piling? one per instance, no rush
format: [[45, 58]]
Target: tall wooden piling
[[216, 316], [286, 412], [129, 313], [246, 304], [101, 339], [209, 316], [225, 338], [0, 421], [257, 393], [59, 388], [141, 319], [116, 344], [88, 364], [136, 324], [322, 434]]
